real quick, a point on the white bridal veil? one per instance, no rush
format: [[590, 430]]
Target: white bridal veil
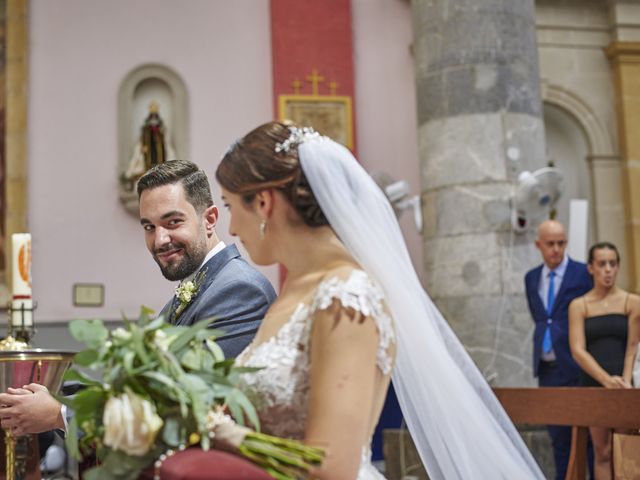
[[457, 424]]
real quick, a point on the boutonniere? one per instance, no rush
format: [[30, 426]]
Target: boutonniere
[[187, 291]]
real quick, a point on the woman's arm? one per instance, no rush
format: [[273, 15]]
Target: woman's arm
[[343, 378], [583, 358], [633, 337]]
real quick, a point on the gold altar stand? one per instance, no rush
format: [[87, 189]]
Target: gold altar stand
[[18, 368], [32, 465]]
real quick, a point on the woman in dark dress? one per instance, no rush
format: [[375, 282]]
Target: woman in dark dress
[[598, 335]]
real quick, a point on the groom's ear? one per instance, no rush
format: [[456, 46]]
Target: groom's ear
[[210, 216]]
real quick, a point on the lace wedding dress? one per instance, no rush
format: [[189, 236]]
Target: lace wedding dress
[[280, 390]]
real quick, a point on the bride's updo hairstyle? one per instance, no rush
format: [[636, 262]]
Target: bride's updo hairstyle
[[252, 164]]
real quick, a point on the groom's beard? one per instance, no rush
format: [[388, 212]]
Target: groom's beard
[[191, 260]]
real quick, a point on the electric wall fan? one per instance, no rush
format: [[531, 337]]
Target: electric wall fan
[[536, 194]]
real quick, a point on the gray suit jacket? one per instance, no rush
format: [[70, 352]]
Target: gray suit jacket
[[233, 294]]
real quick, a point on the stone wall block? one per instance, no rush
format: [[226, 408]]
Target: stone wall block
[[460, 150], [525, 133], [476, 325], [463, 265], [473, 208], [517, 258], [429, 214], [431, 87]]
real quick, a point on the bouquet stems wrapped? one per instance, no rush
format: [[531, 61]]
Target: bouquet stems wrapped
[[282, 458], [165, 388]]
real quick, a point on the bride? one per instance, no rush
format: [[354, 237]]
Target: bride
[[351, 314]]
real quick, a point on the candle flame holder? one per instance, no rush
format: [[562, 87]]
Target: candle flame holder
[[21, 332]]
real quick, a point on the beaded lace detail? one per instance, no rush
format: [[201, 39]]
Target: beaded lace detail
[[280, 390]]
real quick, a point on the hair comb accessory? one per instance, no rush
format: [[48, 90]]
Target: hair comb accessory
[[297, 136]]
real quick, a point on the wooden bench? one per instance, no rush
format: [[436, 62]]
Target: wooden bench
[[577, 407]]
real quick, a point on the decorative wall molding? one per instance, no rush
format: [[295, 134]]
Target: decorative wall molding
[[598, 138]]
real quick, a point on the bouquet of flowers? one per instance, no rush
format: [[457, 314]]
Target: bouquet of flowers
[[165, 388]]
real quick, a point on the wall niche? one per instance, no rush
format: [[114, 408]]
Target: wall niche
[[152, 125]]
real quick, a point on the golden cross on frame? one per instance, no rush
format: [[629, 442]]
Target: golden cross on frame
[[296, 84], [314, 78], [333, 87]]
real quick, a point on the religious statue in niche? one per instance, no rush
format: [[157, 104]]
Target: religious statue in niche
[[153, 147]]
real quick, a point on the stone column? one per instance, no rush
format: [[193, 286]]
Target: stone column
[[624, 54], [480, 124]]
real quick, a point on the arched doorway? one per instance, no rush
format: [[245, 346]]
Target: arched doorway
[[568, 150]]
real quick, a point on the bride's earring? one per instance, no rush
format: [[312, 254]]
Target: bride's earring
[[263, 227]]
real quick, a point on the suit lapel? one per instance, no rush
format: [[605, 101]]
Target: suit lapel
[[210, 269], [171, 309], [566, 280], [535, 278]]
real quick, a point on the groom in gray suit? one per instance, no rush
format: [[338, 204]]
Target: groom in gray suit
[[179, 218]]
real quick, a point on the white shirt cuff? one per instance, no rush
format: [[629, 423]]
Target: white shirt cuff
[[63, 412]]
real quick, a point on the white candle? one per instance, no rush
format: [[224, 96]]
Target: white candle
[[21, 287]]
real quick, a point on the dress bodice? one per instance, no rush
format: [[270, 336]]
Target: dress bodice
[[280, 389], [606, 341]]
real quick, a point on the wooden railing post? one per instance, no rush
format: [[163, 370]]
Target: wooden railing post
[[577, 467], [578, 407]]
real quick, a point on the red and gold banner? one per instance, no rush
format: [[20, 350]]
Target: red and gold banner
[[313, 79]]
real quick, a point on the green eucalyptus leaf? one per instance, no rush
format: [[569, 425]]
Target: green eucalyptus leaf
[[163, 378], [194, 383], [207, 361], [121, 466], [225, 365], [86, 358], [216, 351], [168, 387], [75, 375], [89, 401], [171, 432], [71, 439], [146, 314], [111, 375], [154, 324], [92, 333], [209, 334], [192, 359], [127, 361], [187, 335], [97, 473], [139, 345], [236, 412], [238, 398]]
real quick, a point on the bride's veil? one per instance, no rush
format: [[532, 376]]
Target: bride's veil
[[458, 426]]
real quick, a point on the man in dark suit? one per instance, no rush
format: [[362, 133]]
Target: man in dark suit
[[550, 288], [179, 218]]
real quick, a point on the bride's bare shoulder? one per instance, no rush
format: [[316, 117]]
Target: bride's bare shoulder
[[341, 271]]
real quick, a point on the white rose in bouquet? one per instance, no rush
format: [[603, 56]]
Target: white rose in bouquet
[[130, 423]]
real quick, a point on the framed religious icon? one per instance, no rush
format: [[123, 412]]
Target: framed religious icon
[[330, 115]]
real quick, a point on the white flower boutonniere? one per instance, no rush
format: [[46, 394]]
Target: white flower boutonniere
[[187, 291]]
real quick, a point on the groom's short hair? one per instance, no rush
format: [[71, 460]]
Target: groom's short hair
[[188, 174]]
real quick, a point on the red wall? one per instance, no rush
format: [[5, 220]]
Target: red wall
[[308, 35]]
